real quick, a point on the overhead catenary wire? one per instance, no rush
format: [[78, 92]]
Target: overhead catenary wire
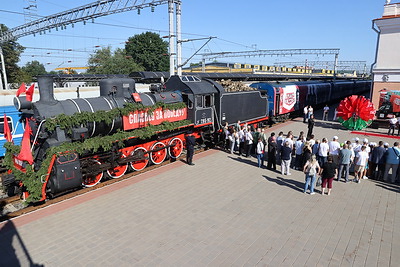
[[134, 27]]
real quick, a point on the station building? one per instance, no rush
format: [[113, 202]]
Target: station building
[[386, 68]]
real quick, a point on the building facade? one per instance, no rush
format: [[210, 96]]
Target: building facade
[[386, 70]]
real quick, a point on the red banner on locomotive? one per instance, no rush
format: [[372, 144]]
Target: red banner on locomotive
[[139, 119]]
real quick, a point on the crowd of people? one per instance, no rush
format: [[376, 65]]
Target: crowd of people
[[317, 158]]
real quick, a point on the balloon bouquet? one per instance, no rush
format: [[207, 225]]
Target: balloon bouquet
[[355, 112]]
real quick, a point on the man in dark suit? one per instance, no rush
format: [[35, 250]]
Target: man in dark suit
[[311, 123], [190, 142], [377, 160]]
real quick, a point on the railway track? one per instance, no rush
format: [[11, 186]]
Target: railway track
[[9, 200], [12, 207]]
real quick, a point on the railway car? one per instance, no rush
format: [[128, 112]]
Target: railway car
[[340, 89], [362, 86], [288, 99], [77, 142], [16, 128], [282, 98], [13, 120], [319, 93]]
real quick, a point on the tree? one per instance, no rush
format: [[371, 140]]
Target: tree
[[148, 50], [33, 69], [11, 51], [103, 61]]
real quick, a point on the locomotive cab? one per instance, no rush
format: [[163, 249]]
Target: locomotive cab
[[199, 96]]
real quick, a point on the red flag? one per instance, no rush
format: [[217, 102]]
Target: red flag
[[6, 129], [25, 153], [21, 89], [29, 92]]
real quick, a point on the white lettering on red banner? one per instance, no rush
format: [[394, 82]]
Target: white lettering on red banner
[[140, 119]]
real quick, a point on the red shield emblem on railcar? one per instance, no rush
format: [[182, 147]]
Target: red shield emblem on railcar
[[290, 99]]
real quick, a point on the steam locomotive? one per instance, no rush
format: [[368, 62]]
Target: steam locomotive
[[200, 106], [75, 142]]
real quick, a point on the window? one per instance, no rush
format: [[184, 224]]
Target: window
[[187, 100], [189, 78], [10, 124], [199, 101], [208, 101]]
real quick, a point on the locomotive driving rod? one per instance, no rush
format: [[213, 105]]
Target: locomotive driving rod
[[140, 157], [95, 169]]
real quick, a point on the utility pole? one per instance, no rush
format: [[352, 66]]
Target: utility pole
[[1, 81], [179, 37], [171, 38], [3, 70], [335, 66]]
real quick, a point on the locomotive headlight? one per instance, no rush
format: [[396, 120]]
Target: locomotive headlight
[[20, 103]]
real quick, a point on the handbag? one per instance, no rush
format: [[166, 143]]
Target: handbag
[[319, 182]]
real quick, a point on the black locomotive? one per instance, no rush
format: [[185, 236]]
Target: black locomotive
[[72, 140]]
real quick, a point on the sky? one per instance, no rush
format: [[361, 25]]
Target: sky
[[237, 26]]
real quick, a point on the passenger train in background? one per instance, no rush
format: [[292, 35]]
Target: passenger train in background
[[203, 106], [287, 99]]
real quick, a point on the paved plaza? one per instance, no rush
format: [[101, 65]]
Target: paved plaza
[[224, 211]]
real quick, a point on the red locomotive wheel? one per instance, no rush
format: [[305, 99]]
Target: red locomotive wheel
[[176, 150], [118, 171], [90, 181], [140, 164], [158, 157]]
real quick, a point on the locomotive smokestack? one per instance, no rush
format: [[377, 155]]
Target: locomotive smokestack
[[46, 90]]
